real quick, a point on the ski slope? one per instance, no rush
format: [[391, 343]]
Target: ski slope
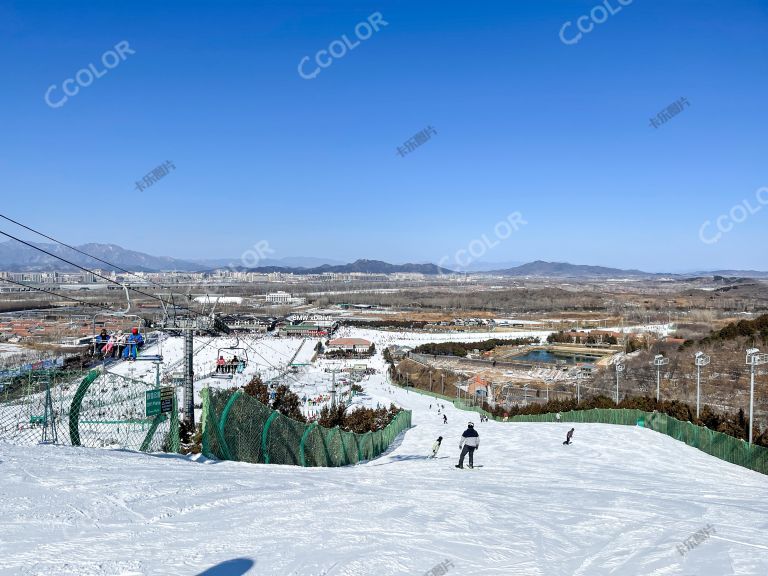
[[617, 501]]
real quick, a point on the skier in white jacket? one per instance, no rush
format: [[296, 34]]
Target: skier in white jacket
[[470, 441]]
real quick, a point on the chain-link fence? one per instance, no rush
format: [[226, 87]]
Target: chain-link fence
[[236, 426], [94, 409]]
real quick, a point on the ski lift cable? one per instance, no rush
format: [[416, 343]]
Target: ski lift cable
[[94, 273], [116, 267], [270, 363]]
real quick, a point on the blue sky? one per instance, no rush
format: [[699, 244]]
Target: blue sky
[[524, 123]]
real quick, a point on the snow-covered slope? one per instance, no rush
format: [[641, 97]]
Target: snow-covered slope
[[617, 501]]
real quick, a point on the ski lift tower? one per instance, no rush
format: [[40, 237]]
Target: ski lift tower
[[187, 326], [49, 418]]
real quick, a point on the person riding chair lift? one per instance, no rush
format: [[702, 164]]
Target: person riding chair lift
[[132, 344]]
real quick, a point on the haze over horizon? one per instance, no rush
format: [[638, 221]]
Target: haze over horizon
[[522, 122]]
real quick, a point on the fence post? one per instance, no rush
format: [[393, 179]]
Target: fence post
[[222, 421], [302, 445], [265, 434], [344, 460], [74, 407], [156, 421], [174, 440]]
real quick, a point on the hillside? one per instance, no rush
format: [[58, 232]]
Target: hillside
[[618, 501], [361, 265], [18, 257], [566, 270]]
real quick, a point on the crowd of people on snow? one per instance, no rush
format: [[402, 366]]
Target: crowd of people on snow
[[317, 400]]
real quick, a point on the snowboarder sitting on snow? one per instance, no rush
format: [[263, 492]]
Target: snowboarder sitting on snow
[[470, 441], [569, 436], [436, 446]]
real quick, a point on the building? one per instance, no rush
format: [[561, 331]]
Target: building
[[278, 297], [243, 323], [309, 328], [284, 298], [349, 344], [398, 352]]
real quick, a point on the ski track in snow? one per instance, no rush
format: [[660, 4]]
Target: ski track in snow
[[617, 501]]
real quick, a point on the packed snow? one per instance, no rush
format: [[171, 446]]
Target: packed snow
[[620, 500]]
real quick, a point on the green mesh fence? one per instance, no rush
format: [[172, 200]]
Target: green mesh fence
[[236, 426], [714, 443], [94, 409]]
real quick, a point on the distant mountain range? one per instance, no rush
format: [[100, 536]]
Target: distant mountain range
[[289, 262], [15, 257], [365, 266], [566, 270]]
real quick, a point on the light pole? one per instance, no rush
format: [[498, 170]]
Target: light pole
[[659, 360], [700, 359], [754, 358], [579, 376], [619, 370]]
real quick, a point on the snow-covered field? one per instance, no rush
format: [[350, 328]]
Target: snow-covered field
[[11, 349], [384, 338], [617, 501]]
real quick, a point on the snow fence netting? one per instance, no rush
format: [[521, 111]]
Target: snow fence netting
[[714, 443], [95, 409], [236, 426], [717, 444]]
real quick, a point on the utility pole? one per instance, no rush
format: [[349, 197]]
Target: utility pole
[[430, 380], [442, 381], [619, 370], [578, 387]]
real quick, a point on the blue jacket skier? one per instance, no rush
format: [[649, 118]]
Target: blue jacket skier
[[470, 441]]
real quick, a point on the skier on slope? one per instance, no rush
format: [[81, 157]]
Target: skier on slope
[[470, 441], [445, 419], [569, 436], [436, 446]]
